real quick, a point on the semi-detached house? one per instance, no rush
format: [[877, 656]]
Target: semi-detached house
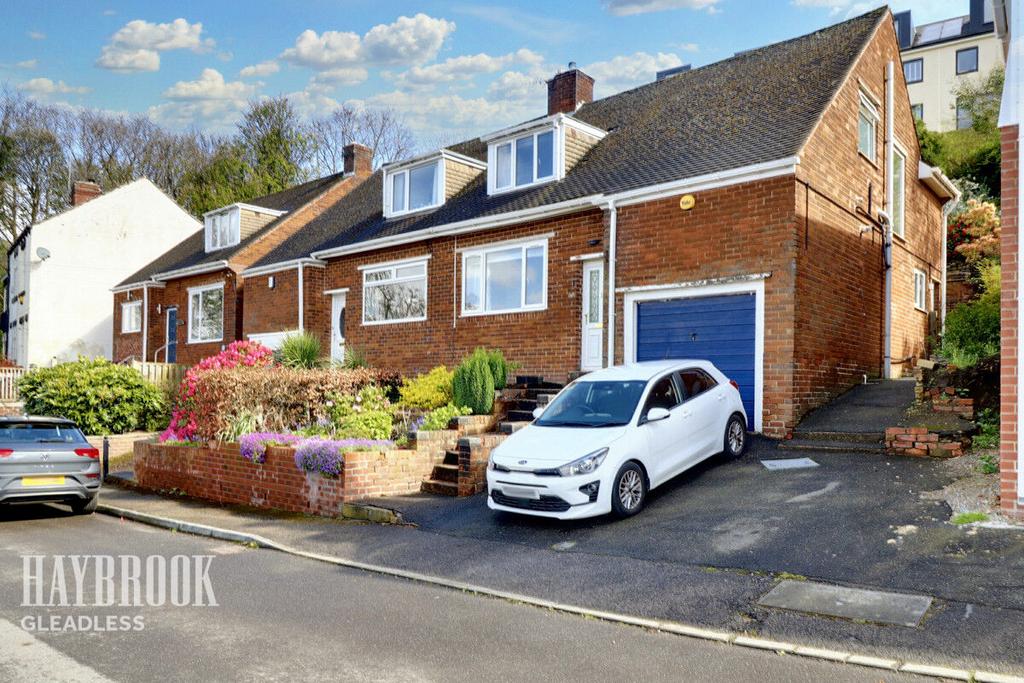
[[188, 303], [770, 212]]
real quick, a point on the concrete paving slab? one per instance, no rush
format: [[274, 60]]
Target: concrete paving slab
[[788, 464], [898, 609]]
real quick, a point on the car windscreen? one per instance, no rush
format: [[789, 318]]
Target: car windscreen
[[593, 404], [39, 432]]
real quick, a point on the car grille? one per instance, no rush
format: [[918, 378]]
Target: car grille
[[542, 504]]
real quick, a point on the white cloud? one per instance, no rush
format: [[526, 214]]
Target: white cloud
[[449, 115], [538, 27], [518, 86], [687, 47], [258, 70], [45, 86], [408, 40], [627, 71], [210, 86], [208, 100], [346, 75], [313, 101], [627, 7], [463, 68], [136, 46], [36, 35], [28, 64]]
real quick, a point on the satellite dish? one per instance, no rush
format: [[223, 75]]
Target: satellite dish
[[43, 253]]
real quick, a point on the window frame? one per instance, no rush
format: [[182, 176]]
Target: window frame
[[482, 252], [200, 290], [124, 318], [966, 50], [920, 62], [898, 151], [869, 111], [958, 108], [917, 111], [711, 382], [492, 160], [920, 290], [233, 216], [389, 176], [393, 266], [645, 407]]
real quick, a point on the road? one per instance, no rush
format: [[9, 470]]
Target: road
[[280, 617]]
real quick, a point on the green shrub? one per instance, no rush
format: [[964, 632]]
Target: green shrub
[[101, 397], [428, 391], [440, 418], [355, 358], [972, 332], [365, 415], [473, 384], [301, 350], [988, 429]]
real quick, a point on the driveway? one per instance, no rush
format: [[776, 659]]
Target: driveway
[[856, 518]]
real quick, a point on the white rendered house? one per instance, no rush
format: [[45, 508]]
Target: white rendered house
[[61, 270]]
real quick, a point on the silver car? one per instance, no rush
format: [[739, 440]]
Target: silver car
[[47, 460]]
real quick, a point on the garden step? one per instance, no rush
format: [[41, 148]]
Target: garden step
[[448, 473], [511, 427], [441, 488], [865, 437], [520, 416], [451, 458], [527, 404], [544, 399], [831, 446]]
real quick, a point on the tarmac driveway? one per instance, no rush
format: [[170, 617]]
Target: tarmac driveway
[[856, 519]]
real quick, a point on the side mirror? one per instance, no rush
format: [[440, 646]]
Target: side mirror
[[656, 415], [537, 412]]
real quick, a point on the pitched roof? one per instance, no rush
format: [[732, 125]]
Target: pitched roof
[[757, 106], [191, 252]]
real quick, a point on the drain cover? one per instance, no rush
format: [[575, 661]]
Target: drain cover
[[879, 607], [788, 464]]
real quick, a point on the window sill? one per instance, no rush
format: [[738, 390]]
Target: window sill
[[511, 311], [374, 323], [868, 159], [131, 331], [518, 188], [414, 212], [901, 238], [921, 310], [205, 341]]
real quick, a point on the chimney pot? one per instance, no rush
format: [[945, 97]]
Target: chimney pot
[[568, 90], [358, 159], [83, 191]]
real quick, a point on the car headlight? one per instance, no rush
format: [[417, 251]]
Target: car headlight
[[585, 465], [490, 461]]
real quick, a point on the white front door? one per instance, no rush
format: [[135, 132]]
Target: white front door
[[338, 327], [593, 316]]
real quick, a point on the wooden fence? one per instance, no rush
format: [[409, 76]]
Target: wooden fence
[[9, 383], [165, 375]]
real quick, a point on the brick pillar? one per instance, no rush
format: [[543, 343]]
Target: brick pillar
[[1008, 456]]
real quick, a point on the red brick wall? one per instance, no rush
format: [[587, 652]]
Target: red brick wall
[[130, 344], [224, 476], [1008, 456], [271, 310]]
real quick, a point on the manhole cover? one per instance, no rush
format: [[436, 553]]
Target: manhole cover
[[788, 464], [879, 607]]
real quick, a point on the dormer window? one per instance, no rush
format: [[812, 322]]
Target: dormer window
[[223, 228], [427, 181], [415, 188], [524, 161]]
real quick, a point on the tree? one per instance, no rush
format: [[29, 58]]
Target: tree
[[273, 144], [388, 138], [980, 98]]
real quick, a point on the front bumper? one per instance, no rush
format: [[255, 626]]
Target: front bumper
[[555, 497]]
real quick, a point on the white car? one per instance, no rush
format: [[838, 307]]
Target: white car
[[613, 435]]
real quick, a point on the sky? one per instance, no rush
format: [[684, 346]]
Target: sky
[[451, 69]]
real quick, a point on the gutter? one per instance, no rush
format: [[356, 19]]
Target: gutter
[[192, 270], [282, 266], [137, 285]]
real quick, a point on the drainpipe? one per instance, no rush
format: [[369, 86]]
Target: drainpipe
[[301, 300], [145, 321], [612, 235], [887, 341]]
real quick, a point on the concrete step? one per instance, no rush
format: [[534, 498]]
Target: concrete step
[[449, 473], [510, 427], [831, 446], [520, 416], [451, 458], [864, 437], [523, 404], [440, 488]]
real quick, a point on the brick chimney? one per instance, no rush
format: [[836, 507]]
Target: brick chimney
[[84, 190], [358, 159], [568, 90]]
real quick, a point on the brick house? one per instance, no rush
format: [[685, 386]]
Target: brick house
[[189, 303], [738, 212]]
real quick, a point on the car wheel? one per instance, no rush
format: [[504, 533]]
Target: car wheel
[[735, 437], [85, 507], [629, 490]]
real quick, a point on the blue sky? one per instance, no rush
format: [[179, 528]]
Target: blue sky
[[450, 68]]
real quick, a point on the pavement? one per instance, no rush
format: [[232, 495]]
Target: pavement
[[866, 408], [281, 617], [708, 547]]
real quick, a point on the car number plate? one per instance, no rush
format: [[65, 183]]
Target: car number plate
[[42, 481], [520, 492]]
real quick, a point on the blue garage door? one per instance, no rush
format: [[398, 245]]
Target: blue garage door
[[715, 328]]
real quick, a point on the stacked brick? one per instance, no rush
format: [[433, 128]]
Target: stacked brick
[[920, 442]]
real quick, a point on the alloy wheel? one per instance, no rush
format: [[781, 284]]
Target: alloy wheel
[[736, 436], [631, 489]]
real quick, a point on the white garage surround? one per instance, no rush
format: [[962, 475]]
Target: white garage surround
[[743, 284]]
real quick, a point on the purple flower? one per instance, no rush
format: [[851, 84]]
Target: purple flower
[[327, 457], [254, 446]]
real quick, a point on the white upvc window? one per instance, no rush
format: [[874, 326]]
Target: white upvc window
[[414, 188], [206, 313], [920, 290], [899, 187], [395, 292], [223, 229], [867, 125], [131, 317], [525, 160], [505, 278]]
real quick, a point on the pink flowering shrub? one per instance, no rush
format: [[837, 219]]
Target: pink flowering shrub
[[184, 418]]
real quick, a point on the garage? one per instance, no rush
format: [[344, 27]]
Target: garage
[[720, 328]]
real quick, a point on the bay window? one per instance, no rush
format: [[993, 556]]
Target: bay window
[[206, 313], [395, 293], [505, 278]]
